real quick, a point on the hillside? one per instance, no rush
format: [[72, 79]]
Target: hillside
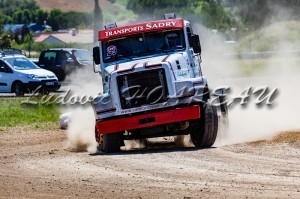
[[116, 12], [74, 5]]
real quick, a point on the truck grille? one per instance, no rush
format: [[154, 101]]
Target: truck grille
[[142, 88]]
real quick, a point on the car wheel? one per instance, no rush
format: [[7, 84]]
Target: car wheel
[[18, 89]]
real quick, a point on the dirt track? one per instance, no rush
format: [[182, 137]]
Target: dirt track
[[36, 165]]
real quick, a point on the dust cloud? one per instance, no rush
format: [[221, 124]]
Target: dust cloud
[[250, 121], [247, 122], [81, 127]]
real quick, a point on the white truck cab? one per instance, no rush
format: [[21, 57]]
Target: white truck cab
[[153, 84], [19, 75]]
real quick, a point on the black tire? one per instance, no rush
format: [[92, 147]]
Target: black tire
[[204, 134], [18, 89], [111, 142], [57, 88]]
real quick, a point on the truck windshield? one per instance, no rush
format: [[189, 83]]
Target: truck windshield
[[21, 63], [142, 45]]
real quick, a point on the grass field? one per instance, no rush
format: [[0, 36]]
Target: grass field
[[14, 113], [262, 66]]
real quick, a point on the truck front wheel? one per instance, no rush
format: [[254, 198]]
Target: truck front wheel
[[111, 142], [205, 131]]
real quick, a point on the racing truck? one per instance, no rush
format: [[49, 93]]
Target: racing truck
[[153, 85]]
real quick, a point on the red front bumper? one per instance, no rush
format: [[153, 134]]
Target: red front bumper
[[148, 120]]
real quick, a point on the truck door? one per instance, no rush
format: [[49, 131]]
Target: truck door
[[6, 77]]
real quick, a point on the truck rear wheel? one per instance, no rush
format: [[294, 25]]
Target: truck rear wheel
[[205, 132], [111, 142]]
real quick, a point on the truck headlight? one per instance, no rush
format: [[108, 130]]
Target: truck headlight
[[102, 104]]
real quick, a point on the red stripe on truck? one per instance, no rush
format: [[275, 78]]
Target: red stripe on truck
[[148, 120]]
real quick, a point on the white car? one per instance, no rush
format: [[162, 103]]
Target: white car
[[19, 75]]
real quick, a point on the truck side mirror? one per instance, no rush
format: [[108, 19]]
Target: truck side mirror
[[96, 59], [195, 43], [96, 55]]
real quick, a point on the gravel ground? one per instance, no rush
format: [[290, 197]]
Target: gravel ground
[[35, 164]]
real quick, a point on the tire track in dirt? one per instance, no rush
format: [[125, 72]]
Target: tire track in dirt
[[40, 167]]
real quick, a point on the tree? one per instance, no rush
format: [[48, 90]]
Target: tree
[[98, 20], [212, 14], [289, 9], [27, 11], [27, 16], [5, 40], [4, 19], [252, 13], [17, 17], [209, 12], [85, 19], [28, 41], [24, 32], [55, 19], [150, 8], [41, 16]]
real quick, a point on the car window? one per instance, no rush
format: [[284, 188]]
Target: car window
[[4, 68], [62, 57], [83, 55], [21, 63], [49, 56]]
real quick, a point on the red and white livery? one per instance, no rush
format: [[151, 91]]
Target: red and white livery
[[153, 85]]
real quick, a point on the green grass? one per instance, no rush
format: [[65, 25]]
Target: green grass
[[249, 67], [14, 113], [262, 66]]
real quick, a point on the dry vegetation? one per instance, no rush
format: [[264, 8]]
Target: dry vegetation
[[290, 137], [74, 5]]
